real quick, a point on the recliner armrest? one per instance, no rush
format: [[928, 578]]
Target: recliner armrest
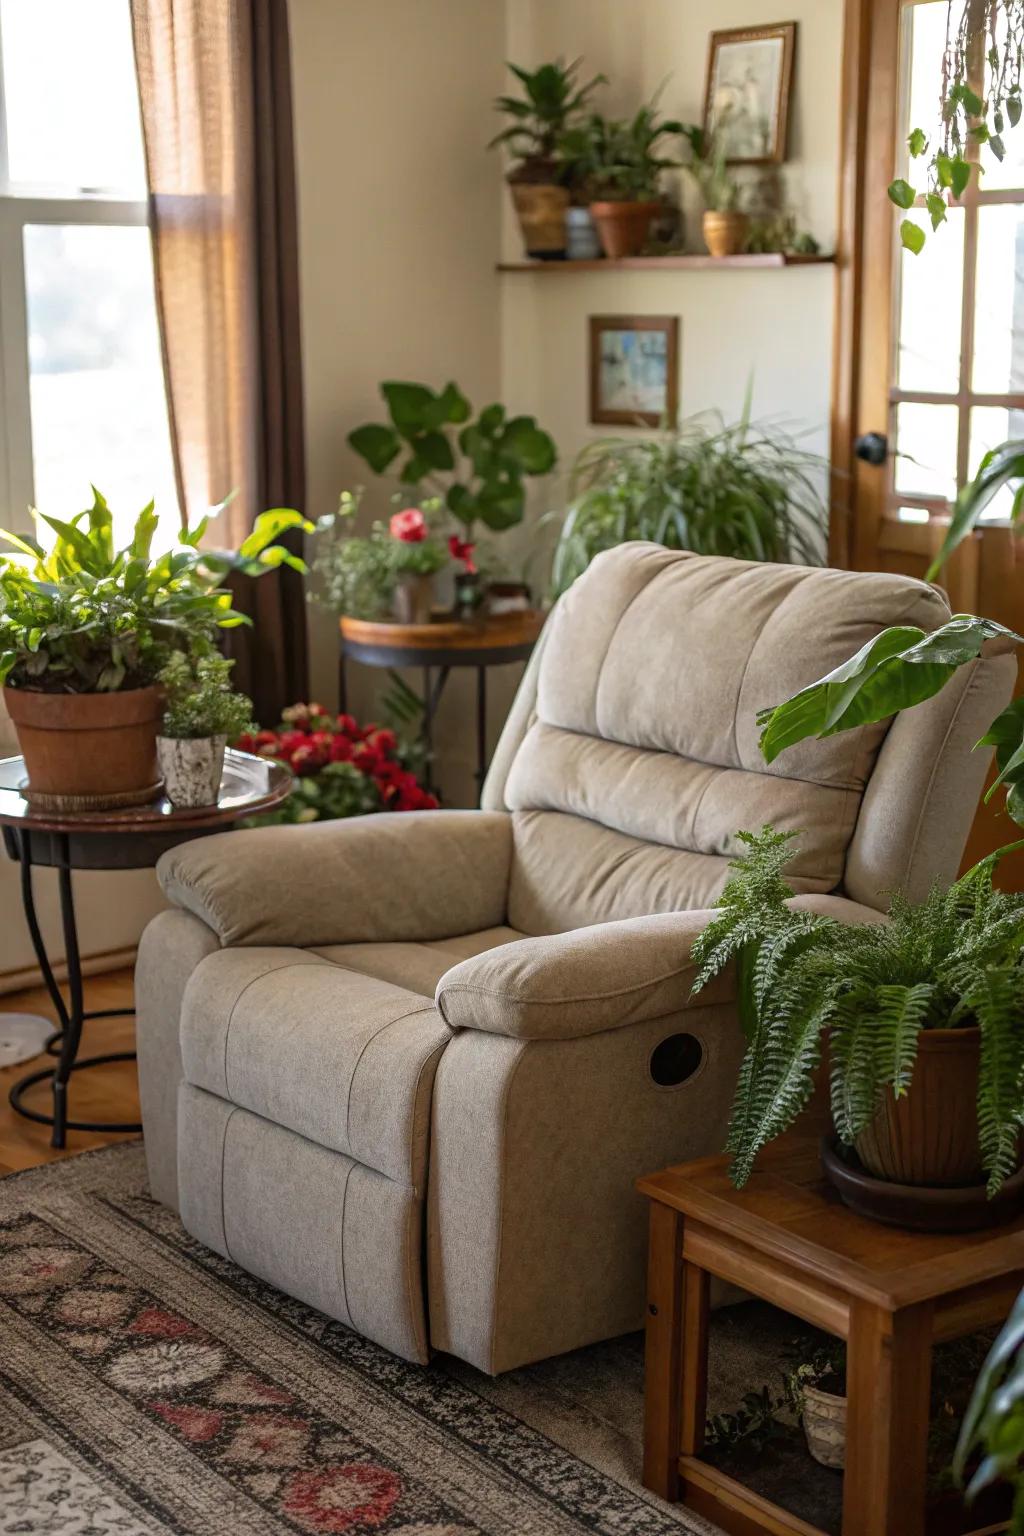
[[419, 875], [566, 985]]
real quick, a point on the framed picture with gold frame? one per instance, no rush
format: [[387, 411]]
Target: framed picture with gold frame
[[634, 370], [746, 97]]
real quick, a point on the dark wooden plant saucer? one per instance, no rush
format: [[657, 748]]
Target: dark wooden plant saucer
[[920, 1207]]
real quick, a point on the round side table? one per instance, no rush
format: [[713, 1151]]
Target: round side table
[[490, 642], [127, 839]]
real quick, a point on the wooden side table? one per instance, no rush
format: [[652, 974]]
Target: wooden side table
[[486, 642], [890, 1294]]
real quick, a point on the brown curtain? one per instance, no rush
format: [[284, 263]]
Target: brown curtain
[[215, 89]]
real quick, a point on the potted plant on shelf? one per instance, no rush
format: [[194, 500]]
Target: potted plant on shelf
[[86, 628], [202, 713], [551, 102], [619, 160], [725, 226], [477, 466], [743, 490], [925, 1014]]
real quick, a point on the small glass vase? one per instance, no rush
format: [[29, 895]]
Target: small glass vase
[[413, 600], [470, 593]]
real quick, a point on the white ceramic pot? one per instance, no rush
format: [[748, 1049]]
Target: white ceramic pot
[[825, 1426], [191, 769]]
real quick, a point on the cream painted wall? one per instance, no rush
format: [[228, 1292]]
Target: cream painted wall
[[773, 326], [399, 226]]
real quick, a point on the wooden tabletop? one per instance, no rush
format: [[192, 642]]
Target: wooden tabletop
[[492, 632], [249, 785], [789, 1212]]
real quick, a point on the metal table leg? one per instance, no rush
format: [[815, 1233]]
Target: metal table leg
[[71, 1013], [481, 727]]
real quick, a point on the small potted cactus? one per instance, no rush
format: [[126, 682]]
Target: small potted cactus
[[202, 712]]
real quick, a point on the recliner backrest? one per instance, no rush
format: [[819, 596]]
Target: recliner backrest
[[633, 759]]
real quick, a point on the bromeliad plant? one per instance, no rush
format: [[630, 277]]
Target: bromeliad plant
[[85, 617], [477, 466], [743, 490]]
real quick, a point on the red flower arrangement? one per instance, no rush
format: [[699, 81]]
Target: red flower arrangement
[[341, 767]]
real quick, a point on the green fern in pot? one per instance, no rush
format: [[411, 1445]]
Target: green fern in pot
[[945, 976]]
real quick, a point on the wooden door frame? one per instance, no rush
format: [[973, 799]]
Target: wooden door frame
[[864, 249]]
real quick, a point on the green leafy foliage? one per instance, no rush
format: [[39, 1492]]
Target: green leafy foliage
[[478, 466], [618, 159], [744, 490], [992, 1433], [85, 617], [356, 574], [551, 102], [709, 168], [900, 667], [989, 30], [1002, 466], [955, 960], [199, 699]]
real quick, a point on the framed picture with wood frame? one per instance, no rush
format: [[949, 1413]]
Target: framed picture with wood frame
[[746, 99], [634, 370]]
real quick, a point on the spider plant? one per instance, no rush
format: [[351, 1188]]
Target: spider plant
[[745, 490]]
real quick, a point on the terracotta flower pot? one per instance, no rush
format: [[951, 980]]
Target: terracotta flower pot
[[192, 769], [930, 1135], [725, 233], [541, 210], [87, 751], [624, 228]]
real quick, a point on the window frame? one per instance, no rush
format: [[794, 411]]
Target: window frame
[[22, 204]]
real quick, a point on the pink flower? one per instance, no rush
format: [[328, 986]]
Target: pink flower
[[410, 526]]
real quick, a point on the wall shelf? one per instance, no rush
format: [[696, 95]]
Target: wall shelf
[[666, 263]]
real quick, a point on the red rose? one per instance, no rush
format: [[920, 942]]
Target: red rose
[[366, 759], [382, 740], [461, 549], [246, 742], [266, 739], [410, 526], [340, 749], [389, 772]]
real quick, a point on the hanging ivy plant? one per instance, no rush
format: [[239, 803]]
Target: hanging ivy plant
[[985, 44]]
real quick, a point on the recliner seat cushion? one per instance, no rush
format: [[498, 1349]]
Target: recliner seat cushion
[[343, 1059], [643, 759]]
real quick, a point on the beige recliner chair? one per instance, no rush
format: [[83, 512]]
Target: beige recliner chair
[[407, 1068]]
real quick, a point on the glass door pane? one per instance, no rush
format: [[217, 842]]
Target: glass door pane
[[999, 304], [928, 334]]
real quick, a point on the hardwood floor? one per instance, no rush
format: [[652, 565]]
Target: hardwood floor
[[103, 1093]]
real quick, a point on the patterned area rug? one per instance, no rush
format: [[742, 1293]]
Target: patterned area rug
[[148, 1386]]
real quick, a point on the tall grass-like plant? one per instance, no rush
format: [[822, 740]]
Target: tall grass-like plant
[[746, 490]]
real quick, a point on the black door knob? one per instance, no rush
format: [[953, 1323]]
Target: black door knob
[[873, 447]]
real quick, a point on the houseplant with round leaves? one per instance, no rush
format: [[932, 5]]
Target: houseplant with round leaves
[[540, 180], [85, 629], [476, 464]]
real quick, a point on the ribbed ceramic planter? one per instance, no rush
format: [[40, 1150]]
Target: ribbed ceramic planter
[[824, 1416], [624, 228], [725, 233], [930, 1135], [192, 769], [87, 751]]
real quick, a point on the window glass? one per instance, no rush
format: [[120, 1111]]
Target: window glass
[[999, 302], [97, 396], [70, 95], [926, 437], [931, 289], [990, 426]]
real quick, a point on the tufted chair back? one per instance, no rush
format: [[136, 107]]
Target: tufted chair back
[[631, 758]]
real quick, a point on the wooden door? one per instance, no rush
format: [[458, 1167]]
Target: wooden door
[[930, 348]]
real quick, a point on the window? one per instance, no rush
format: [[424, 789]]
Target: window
[[959, 364], [81, 382]]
